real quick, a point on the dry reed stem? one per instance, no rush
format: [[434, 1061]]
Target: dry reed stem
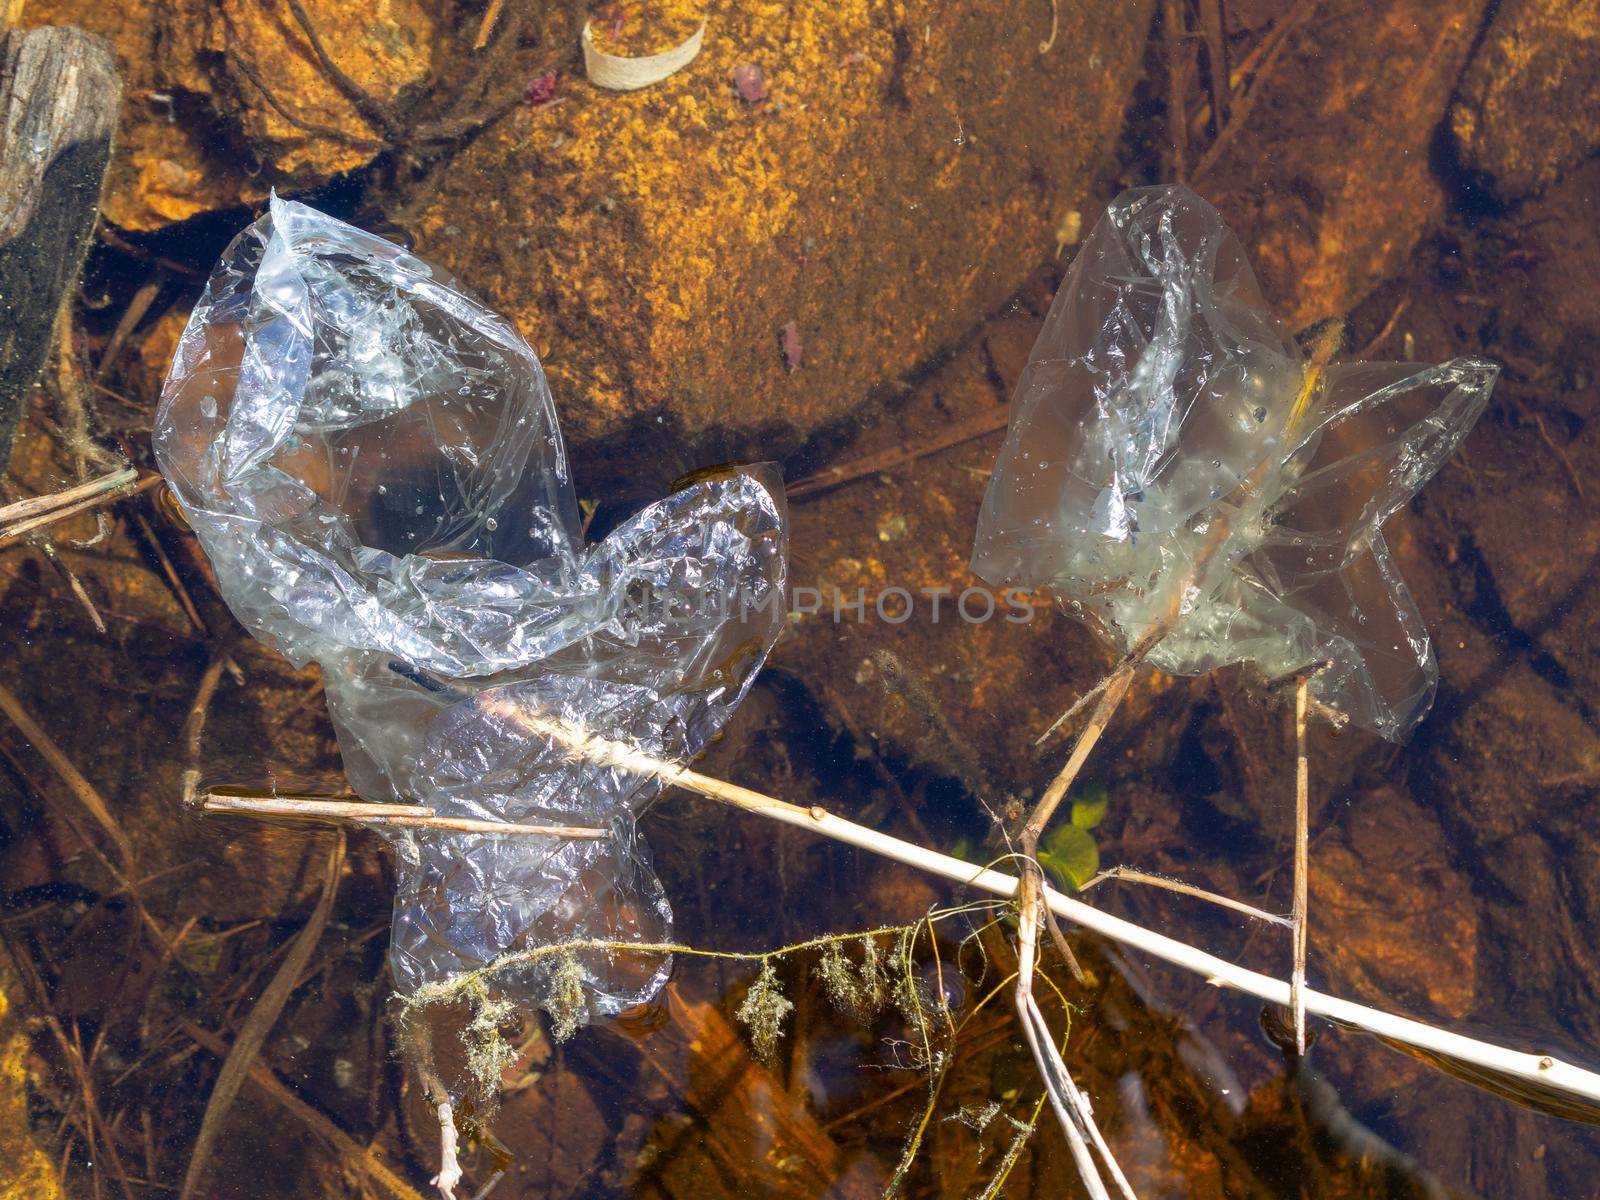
[[1096, 1138], [359, 812], [1030, 906], [106, 488], [79, 593], [1174, 33], [1053, 1071], [491, 18], [194, 725], [1545, 1071], [169, 571], [991, 420], [35, 505], [1078, 706], [80, 787], [1259, 62], [263, 1080], [1078, 1103], [1110, 700], [1302, 860], [1130, 875], [1030, 916], [263, 1016]]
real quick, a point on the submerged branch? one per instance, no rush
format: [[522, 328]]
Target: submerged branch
[[359, 812], [1302, 861], [262, 1079], [1132, 875], [1545, 1071], [35, 505], [36, 512]]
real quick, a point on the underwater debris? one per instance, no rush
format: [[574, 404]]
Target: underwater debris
[[630, 72], [750, 81], [1176, 461], [763, 1011], [564, 1002], [489, 1054], [790, 346], [372, 462], [857, 992], [544, 88]]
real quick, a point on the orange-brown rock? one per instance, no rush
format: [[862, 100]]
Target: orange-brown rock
[[25, 1170], [1395, 922], [705, 1061], [382, 46], [165, 164], [906, 171], [1372, 79], [198, 132], [1529, 107]]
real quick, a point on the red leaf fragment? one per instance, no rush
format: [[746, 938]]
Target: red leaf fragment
[[751, 82], [789, 345], [544, 88]]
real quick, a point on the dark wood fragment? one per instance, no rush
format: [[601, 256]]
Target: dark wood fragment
[[59, 92]]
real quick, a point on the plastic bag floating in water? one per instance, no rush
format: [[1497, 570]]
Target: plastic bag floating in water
[[1174, 458], [372, 462]]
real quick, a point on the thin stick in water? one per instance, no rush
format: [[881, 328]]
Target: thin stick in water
[[1037, 1034], [106, 488], [1082, 1110], [35, 505], [1302, 860], [82, 790], [1030, 907], [359, 812], [1545, 1071], [1131, 875]]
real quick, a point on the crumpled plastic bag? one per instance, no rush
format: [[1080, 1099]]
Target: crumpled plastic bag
[[1174, 457], [372, 462]]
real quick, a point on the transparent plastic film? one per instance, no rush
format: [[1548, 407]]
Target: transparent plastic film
[[373, 464], [1174, 459]]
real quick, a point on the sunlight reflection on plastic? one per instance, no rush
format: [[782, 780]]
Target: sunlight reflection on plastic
[[1173, 455], [372, 462]]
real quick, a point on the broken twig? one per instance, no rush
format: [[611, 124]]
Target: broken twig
[[976, 426], [359, 812], [264, 1081], [1544, 1071], [236, 1066], [1302, 860], [1130, 875]]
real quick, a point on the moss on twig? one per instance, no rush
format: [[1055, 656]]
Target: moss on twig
[[763, 1012]]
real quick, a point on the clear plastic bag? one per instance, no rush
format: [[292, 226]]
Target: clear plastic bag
[[1174, 459], [372, 462]]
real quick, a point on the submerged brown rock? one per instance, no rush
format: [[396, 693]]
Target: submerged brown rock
[[901, 178], [1374, 79], [1529, 106], [25, 1169], [225, 99]]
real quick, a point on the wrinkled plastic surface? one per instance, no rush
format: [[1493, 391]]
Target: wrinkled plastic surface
[[1172, 456], [372, 462]]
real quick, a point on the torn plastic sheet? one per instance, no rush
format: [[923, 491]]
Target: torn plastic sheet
[[1173, 456], [372, 462]]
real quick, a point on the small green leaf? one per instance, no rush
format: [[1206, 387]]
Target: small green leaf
[[1089, 809], [962, 849], [202, 955], [1070, 856]]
